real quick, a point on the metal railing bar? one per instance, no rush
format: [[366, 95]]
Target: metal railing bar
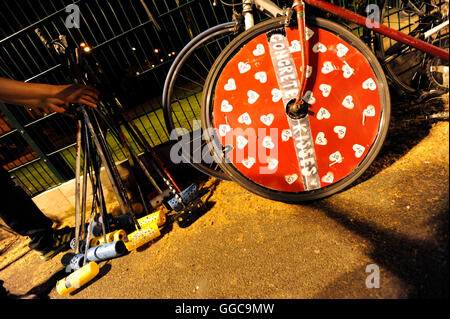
[[15, 18], [37, 51], [145, 128], [2, 17], [13, 62], [96, 22], [24, 176], [127, 40], [160, 15], [46, 172], [35, 24], [61, 149], [29, 55], [163, 126], [39, 120], [135, 36], [112, 31], [144, 29], [175, 26]]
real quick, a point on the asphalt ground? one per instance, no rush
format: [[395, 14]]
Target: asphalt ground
[[394, 219]]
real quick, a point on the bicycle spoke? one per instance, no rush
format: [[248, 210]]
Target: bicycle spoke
[[186, 86]]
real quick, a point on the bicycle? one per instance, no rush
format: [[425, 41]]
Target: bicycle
[[327, 155], [410, 70]]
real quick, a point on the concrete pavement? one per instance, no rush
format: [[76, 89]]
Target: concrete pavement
[[245, 246]]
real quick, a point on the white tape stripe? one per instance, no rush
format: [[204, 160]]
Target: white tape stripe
[[288, 83]]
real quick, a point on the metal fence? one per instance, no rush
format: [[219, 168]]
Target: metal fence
[[134, 50]]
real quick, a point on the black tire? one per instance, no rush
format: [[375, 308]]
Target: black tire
[[405, 66], [230, 169], [436, 70], [184, 84]]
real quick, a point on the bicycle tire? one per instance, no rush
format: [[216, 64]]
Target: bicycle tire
[[403, 65], [279, 186], [436, 73], [171, 98]]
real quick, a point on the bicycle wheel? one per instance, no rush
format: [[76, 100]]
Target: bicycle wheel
[[407, 66], [290, 156], [437, 70], [181, 98]]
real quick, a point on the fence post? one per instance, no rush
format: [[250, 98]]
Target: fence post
[[59, 174]]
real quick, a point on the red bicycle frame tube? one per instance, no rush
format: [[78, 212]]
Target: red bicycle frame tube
[[380, 28], [299, 7]]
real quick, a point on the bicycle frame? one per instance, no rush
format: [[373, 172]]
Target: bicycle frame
[[268, 6], [427, 34]]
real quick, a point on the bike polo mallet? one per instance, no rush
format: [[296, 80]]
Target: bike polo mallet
[[185, 203], [133, 158], [115, 110]]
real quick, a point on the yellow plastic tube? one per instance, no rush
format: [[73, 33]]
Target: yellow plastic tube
[[140, 237], [158, 218], [77, 279], [110, 237]]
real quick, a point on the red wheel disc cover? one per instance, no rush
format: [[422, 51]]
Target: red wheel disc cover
[[344, 115]]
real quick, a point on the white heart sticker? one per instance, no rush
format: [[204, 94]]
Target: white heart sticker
[[226, 106], [323, 114], [308, 71], [243, 67], [347, 71], [341, 50], [348, 102], [259, 50], [291, 178], [335, 158], [309, 98], [272, 163], [261, 76], [241, 142], [369, 110], [230, 85], [369, 84], [309, 33], [245, 119], [295, 46], [248, 162], [276, 95], [319, 47], [340, 131], [327, 67], [268, 143], [359, 150], [328, 178], [286, 134], [252, 96], [224, 129], [321, 139], [326, 89], [267, 119]]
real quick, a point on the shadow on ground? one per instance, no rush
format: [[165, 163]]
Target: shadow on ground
[[422, 265], [409, 124]]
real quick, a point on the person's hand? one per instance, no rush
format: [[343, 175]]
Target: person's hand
[[64, 95]]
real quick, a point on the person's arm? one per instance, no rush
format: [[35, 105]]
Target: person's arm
[[49, 98]]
